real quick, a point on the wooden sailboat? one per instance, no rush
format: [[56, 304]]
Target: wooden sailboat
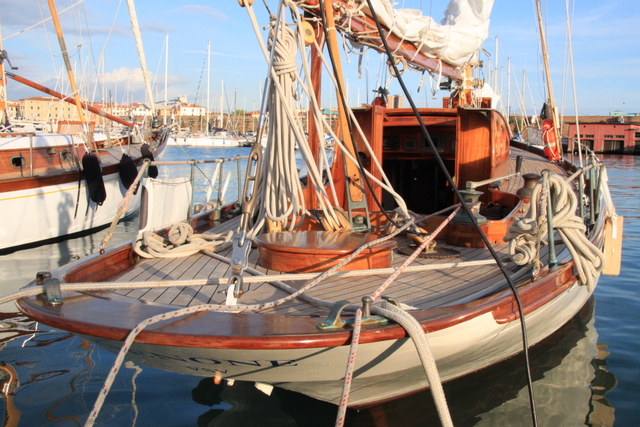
[[57, 185], [427, 244]]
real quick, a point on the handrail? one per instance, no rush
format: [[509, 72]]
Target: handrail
[[471, 185]]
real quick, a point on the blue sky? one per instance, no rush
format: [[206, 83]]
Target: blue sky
[[606, 51]]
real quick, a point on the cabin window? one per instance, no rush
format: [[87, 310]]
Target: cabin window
[[66, 156], [440, 141], [391, 142], [18, 162], [410, 145]]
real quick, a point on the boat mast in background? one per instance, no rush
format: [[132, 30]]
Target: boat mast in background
[[166, 77], [551, 102], [206, 115], [4, 117], [72, 80], [143, 62]]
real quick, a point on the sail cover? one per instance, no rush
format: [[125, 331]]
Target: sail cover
[[455, 41]]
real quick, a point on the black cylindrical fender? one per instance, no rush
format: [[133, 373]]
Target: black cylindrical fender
[[93, 177]]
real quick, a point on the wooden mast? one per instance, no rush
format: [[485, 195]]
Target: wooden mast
[[552, 105], [355, 183], [314, 133], [3, 86], [72, 80]]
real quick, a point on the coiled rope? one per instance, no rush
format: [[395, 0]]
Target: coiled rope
[[180, 242], [528, 233]]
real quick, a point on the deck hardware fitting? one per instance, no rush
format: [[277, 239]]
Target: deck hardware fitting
[[51, 287]]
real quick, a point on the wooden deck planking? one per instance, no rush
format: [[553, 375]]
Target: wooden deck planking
[[211, 294], [149, 270], [199, 270], [422, 289], [411, 288], [187, 270]]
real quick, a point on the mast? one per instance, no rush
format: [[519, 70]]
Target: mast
[[72, 80], [222, 104], [206, 114], [166, 77], [545, 56], [143, 62], [4, 117]]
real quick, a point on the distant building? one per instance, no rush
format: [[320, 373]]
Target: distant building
[[13, 110], [395, 101], [605, 134], [43, 109]]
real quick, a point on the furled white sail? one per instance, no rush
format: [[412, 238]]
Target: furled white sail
[[456, 40]]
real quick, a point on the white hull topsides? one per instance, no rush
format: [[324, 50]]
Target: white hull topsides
[[50, 212]]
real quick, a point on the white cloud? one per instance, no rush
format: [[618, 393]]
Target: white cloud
[[203, 11]]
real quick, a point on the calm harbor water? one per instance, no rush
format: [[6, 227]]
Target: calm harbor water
[[585, 374]]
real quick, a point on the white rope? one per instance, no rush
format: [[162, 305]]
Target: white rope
[[319, 117], [289, 128], [180, 242], [351, 365], [423, 345], [124, 205], [528, 233], [417, 334]]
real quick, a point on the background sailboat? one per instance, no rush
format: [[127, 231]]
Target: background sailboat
[[54, 185], [209, 136]]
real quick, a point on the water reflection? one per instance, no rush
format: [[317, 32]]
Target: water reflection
[[9, 383], [602, 413]]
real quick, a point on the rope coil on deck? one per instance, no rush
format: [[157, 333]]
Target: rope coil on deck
[[180, 242], [529, 232]]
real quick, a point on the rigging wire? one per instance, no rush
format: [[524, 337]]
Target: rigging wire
[[470, 215]]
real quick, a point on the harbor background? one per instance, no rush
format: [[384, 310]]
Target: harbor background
[[585, 374]]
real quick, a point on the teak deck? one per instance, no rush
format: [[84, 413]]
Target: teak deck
[[424, 289]]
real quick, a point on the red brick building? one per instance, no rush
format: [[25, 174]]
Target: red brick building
[[605, 134]]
